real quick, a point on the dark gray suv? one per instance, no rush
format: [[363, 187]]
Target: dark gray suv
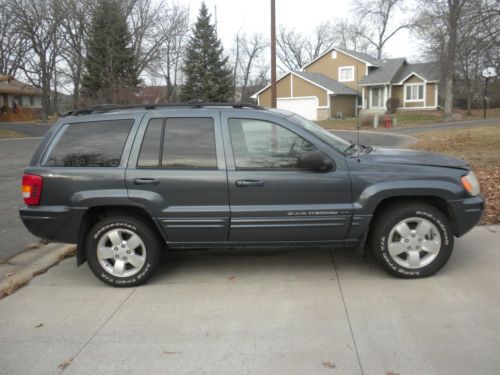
[[124, 183]]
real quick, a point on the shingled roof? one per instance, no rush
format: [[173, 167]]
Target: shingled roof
[[428, 71], [326, 82], [385, 74], [10, 85]]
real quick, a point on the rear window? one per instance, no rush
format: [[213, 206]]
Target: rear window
[[179, 143], [90, 144]]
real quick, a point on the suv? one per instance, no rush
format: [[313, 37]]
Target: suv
[[123, 183]]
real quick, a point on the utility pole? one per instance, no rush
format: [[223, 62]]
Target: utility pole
[[273, 53]]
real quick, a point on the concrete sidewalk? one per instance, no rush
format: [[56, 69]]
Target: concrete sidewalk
[[262, 312]]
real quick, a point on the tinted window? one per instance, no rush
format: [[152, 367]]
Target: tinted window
[[182, 143], [149, 156], [262, 144], [90, 144]]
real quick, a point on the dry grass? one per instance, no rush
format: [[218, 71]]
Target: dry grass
[[481, 148], [10, 134]]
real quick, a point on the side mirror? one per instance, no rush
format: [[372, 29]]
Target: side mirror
[[316, 161]]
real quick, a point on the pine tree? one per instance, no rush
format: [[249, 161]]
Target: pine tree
[[110, 61], [208, 77]]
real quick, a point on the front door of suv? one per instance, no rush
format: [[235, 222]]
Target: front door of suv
[[272, 199], [177, 170]]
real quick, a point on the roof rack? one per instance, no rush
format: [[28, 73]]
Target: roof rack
[[116, 107]]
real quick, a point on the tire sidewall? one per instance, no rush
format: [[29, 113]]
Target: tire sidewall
[[139, 228], [382, 238]]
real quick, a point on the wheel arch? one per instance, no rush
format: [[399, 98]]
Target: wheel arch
[[93, 214]]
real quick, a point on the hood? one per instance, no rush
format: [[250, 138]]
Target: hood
[[413, 157]]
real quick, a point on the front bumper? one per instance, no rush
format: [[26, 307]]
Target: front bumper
[[466, 213], [53, 223]]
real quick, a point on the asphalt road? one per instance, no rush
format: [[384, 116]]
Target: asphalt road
[[30, 130], [15, 155], [309, 311]]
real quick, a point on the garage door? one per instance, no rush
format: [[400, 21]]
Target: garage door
[[306, 107]]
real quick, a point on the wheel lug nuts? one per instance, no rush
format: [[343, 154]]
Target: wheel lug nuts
[[123, 245], [407, 240], [116, 256], [124, 258], [418, 247], [409, 247], [128, 251], [413, 235], [420, 240], [116, 248]]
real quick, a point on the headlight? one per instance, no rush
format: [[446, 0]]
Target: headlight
[[470, 183]]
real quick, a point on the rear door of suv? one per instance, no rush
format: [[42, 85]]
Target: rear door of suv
[[272, 199], [177, 171]]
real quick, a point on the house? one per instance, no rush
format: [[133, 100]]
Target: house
[[16, 93], [342, 83]]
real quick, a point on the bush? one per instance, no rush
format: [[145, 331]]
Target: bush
[[392, 105]]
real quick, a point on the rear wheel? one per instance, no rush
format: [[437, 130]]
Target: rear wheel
[[412, 240], [122, 251]]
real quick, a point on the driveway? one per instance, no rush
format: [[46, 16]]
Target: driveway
[[314, 311], [15, 155]]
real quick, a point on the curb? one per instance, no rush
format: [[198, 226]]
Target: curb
[[20, 269]]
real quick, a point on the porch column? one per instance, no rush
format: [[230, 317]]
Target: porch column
[[363, 98], [385, 97]]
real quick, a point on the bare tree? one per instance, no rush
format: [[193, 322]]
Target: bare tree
[[174, 26], [13, 47], [348, 34], [75, 18], [295, 50], [438, 23], [36, 21], [378, 18], [251, 50]]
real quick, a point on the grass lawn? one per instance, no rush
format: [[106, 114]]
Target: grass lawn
[[481, 148], [407, 119], [10, 134]]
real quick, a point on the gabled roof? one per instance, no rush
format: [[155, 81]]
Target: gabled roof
[[10, 85], [385, 73], [363, 57], [326, 82], [320, 80], [427, 71]]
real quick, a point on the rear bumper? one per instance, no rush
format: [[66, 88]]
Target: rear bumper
[[53, 223], [467, 213]]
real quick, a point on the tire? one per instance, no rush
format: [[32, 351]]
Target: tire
[[130, 251], [412, 240]]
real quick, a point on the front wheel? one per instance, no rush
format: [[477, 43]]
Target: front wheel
[[413, 240], [122, 251]]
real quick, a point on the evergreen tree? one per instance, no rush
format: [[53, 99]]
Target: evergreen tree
[[110, 61], [208, 77]]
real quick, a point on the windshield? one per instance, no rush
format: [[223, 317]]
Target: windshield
[[326, 136]]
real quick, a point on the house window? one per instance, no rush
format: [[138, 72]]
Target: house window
[[32, 101], [346, 73], [414, 92]]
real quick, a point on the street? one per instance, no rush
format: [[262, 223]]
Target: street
[[312, 311], [15, 155]]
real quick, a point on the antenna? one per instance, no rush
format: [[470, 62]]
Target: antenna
[[357, 114]]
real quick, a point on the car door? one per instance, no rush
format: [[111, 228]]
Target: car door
[[177, 170], [271, 198]]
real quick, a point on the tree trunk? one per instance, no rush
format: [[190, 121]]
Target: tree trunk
[[450, 57]]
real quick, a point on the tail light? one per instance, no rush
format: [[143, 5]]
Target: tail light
[[32, 189]]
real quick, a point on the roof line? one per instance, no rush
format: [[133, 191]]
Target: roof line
[[338, 49], [254, 96], [313, 83], [409, 75]]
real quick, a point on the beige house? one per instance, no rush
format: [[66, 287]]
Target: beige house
[[18, 101], [342, 83]]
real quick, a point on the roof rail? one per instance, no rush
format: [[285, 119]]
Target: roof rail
[[116, 107]]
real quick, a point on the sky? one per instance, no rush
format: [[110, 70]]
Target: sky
[[254, 16]]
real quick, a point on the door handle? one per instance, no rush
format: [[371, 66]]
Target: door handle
[[146, 181], [245, 183]]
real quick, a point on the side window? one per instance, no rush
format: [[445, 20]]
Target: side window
[[90, 144], [179, 143], [261, 144]]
